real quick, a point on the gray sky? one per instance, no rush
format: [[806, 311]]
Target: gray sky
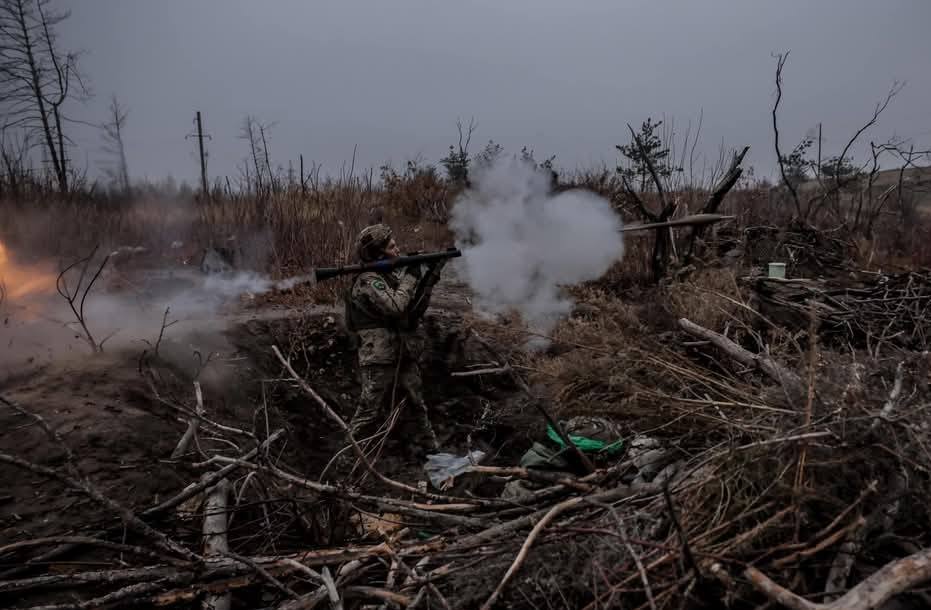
[[560, 77]]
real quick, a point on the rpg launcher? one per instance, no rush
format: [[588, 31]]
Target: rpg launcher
[[387, 264]]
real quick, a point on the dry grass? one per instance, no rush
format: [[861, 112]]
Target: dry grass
[[282, 233], [745, 493], [711, 297]]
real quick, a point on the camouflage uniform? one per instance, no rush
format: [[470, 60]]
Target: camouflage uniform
[[379, 311]]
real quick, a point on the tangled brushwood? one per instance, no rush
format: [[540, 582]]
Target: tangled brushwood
[[798, 477], [774, 432]]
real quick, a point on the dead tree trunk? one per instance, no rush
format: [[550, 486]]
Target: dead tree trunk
[[36, 79], [664, 248], [113, 132], [721, 189]]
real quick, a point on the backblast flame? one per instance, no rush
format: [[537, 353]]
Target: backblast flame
[[22, 281]]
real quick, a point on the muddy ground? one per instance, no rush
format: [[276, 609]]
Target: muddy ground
[[121, 413]]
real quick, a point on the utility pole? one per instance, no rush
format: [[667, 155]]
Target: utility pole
[[303, 184], [203, 158], [819, 150]]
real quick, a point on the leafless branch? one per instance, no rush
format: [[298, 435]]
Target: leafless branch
[[72, 296], [891, 579], [781, 60], [128, 517]]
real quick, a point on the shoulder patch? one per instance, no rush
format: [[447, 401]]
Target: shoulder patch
[[379, 285]]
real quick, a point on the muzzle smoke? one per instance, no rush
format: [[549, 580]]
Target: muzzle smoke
[[522, 243], [39, 327]]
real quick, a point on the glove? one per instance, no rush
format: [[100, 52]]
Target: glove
[[414, 270], [433, 275]]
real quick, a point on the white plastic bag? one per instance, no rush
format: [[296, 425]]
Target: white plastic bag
[[442, 468]]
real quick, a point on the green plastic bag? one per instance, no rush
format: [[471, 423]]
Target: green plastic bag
[[585, 444]]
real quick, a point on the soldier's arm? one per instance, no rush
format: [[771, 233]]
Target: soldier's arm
[[385, 300]]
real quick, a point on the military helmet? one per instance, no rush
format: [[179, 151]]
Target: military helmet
[[372, 241], [595, 428]]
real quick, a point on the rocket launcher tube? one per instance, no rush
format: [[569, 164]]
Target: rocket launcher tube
[[387, 264]]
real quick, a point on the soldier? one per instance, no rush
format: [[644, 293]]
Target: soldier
[[382, 312]]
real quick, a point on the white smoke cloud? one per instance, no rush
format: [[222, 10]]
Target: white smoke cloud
[[521, 242], [42, 328]]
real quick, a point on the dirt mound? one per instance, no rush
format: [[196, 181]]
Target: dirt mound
[[463, 409], [121, 415], [100, 409]]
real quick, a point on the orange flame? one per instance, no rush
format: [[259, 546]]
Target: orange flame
[[20, 281]]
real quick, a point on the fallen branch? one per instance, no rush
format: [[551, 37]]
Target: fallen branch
[[53, 435], [686, 548], [193, 425], [126, 515], [532, 474], [882, 519], [311, 600], [625, 539], [496, 532], [122, 595], [154, 511], [210, 569], [429, 512], [551, 514], [265, 574], [768, 366], [376, 593], [88, 541], [477, 372], [330, 585], [893, 578], [893, 400], [215, 539]]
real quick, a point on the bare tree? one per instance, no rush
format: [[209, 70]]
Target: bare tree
[[457, 161], [907, 203], [841, 170], [781, 60], [113, 134], [273, 182], [36, 79], [14, 153], [249, 133], [253, 131]]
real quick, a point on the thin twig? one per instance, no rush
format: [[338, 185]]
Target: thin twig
[[525, 548]]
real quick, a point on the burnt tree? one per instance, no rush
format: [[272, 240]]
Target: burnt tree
[[37, 79]]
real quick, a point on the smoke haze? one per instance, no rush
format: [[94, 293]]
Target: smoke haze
[[521, 242], [40, 328]]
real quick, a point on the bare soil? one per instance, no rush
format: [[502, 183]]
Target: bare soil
[[118, 413]]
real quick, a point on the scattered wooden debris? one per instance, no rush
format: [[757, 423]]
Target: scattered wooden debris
[[865, 310]]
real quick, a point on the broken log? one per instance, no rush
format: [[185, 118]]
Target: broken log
[[154, 511], [721, 189], [766, 365], [893, 578], [210, 569], [215, 539]]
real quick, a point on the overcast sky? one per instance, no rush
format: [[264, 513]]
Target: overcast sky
[[563, 78]]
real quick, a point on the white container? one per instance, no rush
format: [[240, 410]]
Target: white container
[[777, 270]]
